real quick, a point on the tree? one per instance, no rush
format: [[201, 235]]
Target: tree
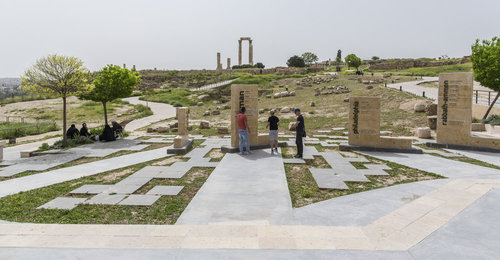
[[485, 63], [375, 58], [309, 58], [353, 61], [112, 82], [259, 65], [59, 75], [296, 61], [338, 60]]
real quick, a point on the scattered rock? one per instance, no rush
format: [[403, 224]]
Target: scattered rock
[[200, 104], [268, 96], [419, 107], [293, 94], [204, 97], [432, 122], [291, 126], [424, 132], [431, 109], [369, 87], [285, 110], [163, 129], [224, 107], [150, 130], [223, 130], [174, 125], [262, 111], [215, 112], [216, 102], [174, 130], [207, 113], [312, 104], [190, 128], [346, 99], [204, 124]]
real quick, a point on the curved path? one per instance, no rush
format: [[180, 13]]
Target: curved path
[[161, 111]]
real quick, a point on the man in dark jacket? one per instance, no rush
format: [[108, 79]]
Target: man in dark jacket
[[72, 132], [300, 133]]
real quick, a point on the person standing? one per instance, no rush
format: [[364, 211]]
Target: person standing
[[300, 133], [272, 124], [243, 130]]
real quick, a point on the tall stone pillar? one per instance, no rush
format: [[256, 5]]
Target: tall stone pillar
[[124, 65], [250, 52], [228, 63], [219, 65], [183, 122], [239, 52]]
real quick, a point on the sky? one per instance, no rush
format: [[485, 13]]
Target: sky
[[171, 34]]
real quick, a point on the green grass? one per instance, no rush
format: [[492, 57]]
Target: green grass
[[21, 207], [17, 129], [10, 100], [431, 71], [305, 191], [176, 98]]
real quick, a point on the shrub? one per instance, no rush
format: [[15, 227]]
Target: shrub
[[296, 61], [492, 120]]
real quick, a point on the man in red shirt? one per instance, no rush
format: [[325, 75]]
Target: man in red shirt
[[243, 130]]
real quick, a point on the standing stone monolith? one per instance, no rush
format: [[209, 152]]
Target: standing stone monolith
[[182, 143], [454, 117]]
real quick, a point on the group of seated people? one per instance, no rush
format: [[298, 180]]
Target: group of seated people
[[109, 133]]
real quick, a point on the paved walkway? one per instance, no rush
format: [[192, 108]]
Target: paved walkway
[[241, 188], [44, 179], [161, 111], [214, 85], [432, 93], [13, 152]]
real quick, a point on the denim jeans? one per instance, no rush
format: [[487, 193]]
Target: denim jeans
[[244, 136]]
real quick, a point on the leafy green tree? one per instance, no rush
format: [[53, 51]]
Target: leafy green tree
[[375, 58], [296, 61], [338, 60], [259, 65], [112, 82], [309, 58], [353, 61], [486, 65], [58, 75]]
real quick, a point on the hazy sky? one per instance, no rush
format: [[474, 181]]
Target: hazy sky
[[188, 34]]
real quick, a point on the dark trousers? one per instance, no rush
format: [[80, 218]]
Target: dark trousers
[[300, 144]]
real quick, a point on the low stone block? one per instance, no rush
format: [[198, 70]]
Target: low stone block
[[291, 126], [432, 122], [419, 107], [478, 127], [27, 154], [424, 132], [204, 124], [431, 109]]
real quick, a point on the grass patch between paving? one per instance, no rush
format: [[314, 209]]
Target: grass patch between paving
[[304, 190]]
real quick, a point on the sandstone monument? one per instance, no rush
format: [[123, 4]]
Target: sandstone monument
[[228, 64], [250, 50], [364, 129], [454, 117], [182, 143], [243, 95]]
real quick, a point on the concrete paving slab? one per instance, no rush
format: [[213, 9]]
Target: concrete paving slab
[[240, 189], [91, 189], [327, 179], [106, 199], [140, 200], [294, 160], [165, 190], [62, 203]]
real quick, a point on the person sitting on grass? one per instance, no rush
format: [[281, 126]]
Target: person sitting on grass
[[107, 135], [84, 131], [117, 129], [72, 132], [272, 124]]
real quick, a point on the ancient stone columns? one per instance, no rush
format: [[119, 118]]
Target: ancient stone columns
[[250, 50], [228, 63], [219, 65]]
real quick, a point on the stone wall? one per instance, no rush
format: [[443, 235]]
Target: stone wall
[[406, 64]]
